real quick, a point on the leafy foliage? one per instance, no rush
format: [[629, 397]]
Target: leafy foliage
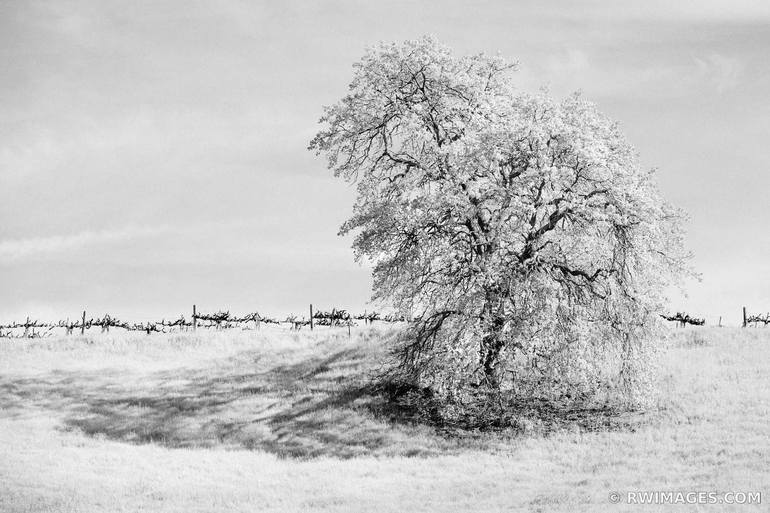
[[518, 229]]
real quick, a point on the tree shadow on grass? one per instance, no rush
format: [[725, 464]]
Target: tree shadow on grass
[[319, 406], [329, 406], [519, 416]]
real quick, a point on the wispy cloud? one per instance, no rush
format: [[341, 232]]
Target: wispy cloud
[[722, 71], [570, 61], [32, 247]]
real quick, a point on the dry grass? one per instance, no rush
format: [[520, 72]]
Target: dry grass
[[274, 421]]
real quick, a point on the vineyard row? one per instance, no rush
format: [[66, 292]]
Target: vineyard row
[[218, 320]]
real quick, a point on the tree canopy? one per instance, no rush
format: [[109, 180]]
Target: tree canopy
[[519, 230]]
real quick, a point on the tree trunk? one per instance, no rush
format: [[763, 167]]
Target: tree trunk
[[491, 347], [492, 344]]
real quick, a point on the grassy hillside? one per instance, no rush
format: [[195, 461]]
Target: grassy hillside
[[279, 421]]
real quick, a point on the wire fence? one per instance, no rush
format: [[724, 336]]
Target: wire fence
[[218, 320], [749, 320], [225, 320]]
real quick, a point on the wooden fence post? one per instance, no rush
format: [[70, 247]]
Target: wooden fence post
[[195, 319], [311, 316], [744, 316], [83, 325]]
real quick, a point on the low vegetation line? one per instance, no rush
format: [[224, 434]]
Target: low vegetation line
[[218, 320]]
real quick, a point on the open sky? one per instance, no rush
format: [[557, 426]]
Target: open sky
[[153, 153]]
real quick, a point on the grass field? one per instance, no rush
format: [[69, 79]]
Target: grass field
[[279, 421]]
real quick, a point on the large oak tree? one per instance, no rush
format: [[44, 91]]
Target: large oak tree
[[520, 230]]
